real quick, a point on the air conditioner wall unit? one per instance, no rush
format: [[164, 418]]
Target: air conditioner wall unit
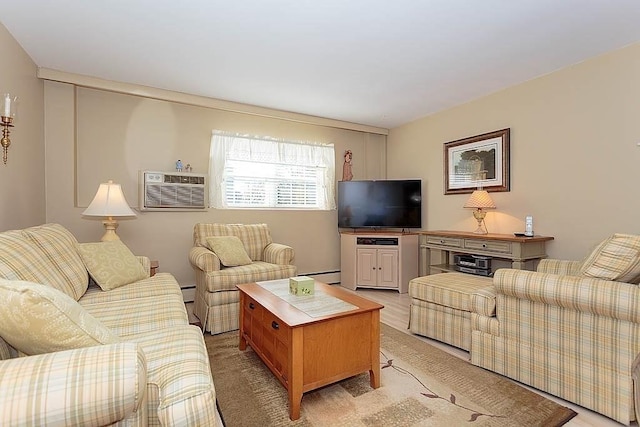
[[172, 191]]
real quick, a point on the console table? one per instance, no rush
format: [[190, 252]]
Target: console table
[[437, 249]]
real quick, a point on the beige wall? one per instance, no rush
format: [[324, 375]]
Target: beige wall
[[113, 136], [22, 178], [575, 158]]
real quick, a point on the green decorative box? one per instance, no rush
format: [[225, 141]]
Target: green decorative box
[[301, 285]]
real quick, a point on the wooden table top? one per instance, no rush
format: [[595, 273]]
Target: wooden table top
[[294, 317], [489, 236]]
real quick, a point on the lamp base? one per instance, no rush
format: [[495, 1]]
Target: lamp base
[[110, 226], [481, 229], [479, 215]]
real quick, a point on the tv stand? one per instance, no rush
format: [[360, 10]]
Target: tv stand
[[378, 259]]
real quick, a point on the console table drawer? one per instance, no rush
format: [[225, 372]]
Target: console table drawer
[[444, 241], [488, 246]]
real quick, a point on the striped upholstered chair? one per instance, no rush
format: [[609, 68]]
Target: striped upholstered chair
[[571, 328], [220, 262]]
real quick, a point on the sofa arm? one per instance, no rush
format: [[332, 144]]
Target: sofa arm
[[202, 258], [277, 253], [559, 266], [604, 298], [483, 301], [91, 386]]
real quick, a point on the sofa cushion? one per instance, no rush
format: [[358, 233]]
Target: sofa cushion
[[111, 264], [44, 254], [229, 249], [38, 319], [617, 258]]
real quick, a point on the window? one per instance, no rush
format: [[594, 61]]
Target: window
[[262, 172]]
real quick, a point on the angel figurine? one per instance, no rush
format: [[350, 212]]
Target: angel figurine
[[347, 175]]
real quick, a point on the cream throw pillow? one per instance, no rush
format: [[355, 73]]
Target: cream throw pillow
[[617, 258], [38, 319], [229, 249], [111, 264]]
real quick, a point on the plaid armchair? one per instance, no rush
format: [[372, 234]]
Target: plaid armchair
[[571, 328], [217, 298]]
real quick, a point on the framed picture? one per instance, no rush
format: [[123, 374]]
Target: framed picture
[[477, 161]]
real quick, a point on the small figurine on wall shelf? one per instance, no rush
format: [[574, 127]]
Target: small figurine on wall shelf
[[347, 175], [188, 168], [179, 165]]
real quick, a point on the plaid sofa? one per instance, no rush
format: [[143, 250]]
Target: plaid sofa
[[217, 299], [157, 374], [564, 332]]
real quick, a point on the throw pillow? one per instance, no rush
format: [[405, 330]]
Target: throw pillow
[[617, 258], [38, 319], [111, 264], [229, 249]]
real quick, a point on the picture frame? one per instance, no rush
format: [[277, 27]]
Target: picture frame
[[478, 161]]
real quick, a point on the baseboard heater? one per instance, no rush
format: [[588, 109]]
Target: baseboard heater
[[329, 277], [188, 293]]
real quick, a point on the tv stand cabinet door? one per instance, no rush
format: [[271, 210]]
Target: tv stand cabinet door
[[387, 268], [367, 266]]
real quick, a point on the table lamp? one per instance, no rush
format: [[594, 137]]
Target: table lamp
[[479, 201], [109, 203]]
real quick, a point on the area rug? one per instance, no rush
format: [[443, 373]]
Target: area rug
[[421, 385]]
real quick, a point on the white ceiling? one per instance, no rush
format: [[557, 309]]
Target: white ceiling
[[374, 62]]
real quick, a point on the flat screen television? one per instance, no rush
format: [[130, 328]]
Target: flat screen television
[[380, 204]]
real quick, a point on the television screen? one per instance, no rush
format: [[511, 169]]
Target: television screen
[[380, 204]]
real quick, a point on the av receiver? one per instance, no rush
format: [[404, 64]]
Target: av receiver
[[472, 261], [388, 241]]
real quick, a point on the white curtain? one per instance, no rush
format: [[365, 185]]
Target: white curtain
[[233, 146]]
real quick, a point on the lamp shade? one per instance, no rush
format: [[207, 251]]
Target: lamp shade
[[480, 199], [109, 201]]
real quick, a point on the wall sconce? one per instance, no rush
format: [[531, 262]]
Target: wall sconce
[[8, 114], [480, 200], [109, 203]]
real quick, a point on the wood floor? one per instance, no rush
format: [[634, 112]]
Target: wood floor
[[396, 313]]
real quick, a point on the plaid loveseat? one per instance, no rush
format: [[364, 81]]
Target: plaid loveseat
[[566, 330], [155, 371], [217, 299]]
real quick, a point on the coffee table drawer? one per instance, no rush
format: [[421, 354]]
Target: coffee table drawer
[[253, 320], [275, 345], [275, 328]]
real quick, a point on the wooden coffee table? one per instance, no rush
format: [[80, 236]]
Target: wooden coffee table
[[306, 351]]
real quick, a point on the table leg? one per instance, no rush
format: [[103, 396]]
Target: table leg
[[295, 373], [242, 342], [518, 264], [374, 372]]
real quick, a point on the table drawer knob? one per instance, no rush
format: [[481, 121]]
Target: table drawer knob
[[275, 325], [484, 245], [251, 306]]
